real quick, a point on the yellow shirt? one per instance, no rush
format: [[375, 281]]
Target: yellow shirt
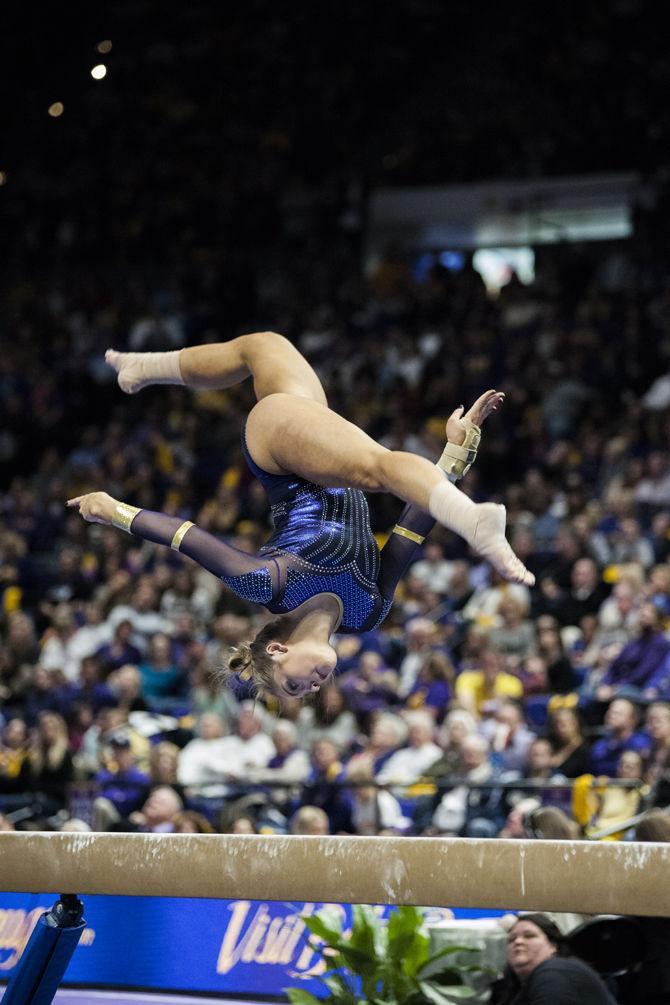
[[471, 683]]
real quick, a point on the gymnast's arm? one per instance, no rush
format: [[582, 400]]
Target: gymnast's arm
[[403, 546], [209, 551]]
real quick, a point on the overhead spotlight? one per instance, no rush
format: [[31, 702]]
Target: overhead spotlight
[[99, 71], [3, 177], [56, 110], [104, 47]]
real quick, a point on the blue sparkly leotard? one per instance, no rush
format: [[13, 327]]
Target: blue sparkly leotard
[[322, 543]]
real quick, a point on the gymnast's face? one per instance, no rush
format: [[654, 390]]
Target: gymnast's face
[[301, 667]]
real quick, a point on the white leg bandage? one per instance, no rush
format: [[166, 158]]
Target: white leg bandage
[[138, 369]]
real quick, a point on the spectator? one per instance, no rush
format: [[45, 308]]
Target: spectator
[[540, 969], [163, 683], [327, 716], [508, 734], [120, 651], [433, 687], [475, 689], [14, 759], [158, 814], [208, 758], [469, 811], [51, 766], [433, 569], [657, 728], [164, 765], [320, 790], [515, 635], [388, 732], [410, 763], [561, 675], [126, 687], [639, 669], [190, 822], [422, 638], [373, 810], [621, 722], [587, 592], [458, 725], [122, 785], [290, 763], [369, 687], [571, 752], [309, 820]]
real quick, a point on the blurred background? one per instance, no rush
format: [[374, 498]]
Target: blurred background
[[429, 199]]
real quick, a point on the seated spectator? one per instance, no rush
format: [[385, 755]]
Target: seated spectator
[[387, 733], [163, 683], [422, 639], [456, 727], [538, 766], [254, 748], [540, 970], [242, 825], [207, 758], [515, 825], [208, 696], [121, 783], [657, 728], [164, 764], [120, 651], [551, 823], [47, 691], [190, 822], [373, 810], [639, 669], [601, 807], [621, 722], [157, 815], [433, 686], [309, 820], [126, 686], [51, 767], [587, 592], [411, 762], [654, 826], [561, 675], [290, 763], [476, 688], [329, 716], [514, 636], [469, 811], [369, 687], [433, 569], [90, 688], [570, 750], [482, 607], [15, 775], [508, 734], [319, 791]]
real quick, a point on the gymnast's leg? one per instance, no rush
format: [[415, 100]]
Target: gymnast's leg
[[289, 434], [275, 364]]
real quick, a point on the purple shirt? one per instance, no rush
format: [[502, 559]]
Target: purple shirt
[[638, 661]]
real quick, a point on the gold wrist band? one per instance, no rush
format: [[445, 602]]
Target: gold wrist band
[[409, 534], [179, 534], [124, 516]]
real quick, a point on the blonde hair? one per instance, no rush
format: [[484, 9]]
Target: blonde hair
[[250, 662], [49, 755]]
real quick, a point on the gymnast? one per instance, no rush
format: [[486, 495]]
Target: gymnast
[[321, 571]]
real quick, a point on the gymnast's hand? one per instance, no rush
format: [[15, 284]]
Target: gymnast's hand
[[96, 507], [482, 408]]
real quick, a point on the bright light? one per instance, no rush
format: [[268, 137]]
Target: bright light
[[497, 265], [3, 177], [99, 71], [56, 110], [104, 47]]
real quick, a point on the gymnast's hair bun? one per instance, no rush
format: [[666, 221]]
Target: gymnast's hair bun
[[242, 661]]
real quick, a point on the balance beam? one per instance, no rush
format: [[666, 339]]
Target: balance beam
[[576, 876]]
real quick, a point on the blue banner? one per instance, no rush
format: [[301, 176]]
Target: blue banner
[[227, 946]]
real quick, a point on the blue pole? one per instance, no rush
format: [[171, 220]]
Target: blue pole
[[44, 960]]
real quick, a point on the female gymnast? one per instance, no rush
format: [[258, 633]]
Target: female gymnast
[[321, 570]]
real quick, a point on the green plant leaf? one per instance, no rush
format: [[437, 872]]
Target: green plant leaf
[[299, 997], [403, 930], [318, 925], [445, 996], [366, 932], [449, 951]]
